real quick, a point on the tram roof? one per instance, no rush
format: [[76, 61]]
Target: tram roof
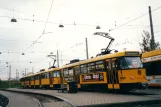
[[98, 58], [151, 53], [28, 75], [47, 70]]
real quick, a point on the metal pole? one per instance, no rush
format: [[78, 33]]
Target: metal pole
[[86, 48], [22, 74], [9, 76], [57, 58], [32, 69], [9, 72], [18, 75], [151, 28], [61, 59], [25, 71], [49, 64]]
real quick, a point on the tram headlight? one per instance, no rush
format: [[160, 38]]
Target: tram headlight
[[145, 77], [132, 77]]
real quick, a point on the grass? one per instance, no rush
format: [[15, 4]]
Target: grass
[[9, 84]]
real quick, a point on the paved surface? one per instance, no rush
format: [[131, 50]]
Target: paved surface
[[94, 98], [19, 100], [150, 91], [56, 104]]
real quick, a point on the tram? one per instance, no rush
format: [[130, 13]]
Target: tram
[[115, 71], [152, 62], [44, 79]]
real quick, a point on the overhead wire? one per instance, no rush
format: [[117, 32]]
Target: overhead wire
[[135, 19], [72, 24], [43, 29], [92, 25]]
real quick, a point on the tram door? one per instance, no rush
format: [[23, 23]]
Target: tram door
[[112, 74], [51, 78], [40, 80], [34, 80], [29, 79]]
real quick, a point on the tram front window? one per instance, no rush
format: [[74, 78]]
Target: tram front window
[[133, 62], [129, 62]]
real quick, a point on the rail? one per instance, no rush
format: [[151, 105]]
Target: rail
[[41, 94]]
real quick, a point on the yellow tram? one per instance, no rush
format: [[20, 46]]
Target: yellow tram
[[120, 71], [44, 79], [116, 71], [152, 63], [27, 81]]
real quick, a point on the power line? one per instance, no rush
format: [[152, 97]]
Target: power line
[[43, 29], [15, 10], [135, 19], [26, 52]]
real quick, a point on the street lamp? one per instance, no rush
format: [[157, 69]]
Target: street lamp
[[98, 27], [61, 26], [110, 30], [13, 19]]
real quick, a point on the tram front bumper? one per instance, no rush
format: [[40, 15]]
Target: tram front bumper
[[143, 85]]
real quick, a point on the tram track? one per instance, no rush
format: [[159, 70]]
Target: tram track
[[45, 96], [45, 99]]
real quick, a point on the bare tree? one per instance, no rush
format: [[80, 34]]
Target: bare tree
[[146, 44]]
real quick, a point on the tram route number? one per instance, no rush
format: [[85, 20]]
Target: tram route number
[[93, 77]]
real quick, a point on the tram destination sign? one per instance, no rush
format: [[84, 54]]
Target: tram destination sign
[[153, 58], [132, 53]]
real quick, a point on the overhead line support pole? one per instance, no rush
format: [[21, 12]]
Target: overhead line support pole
[[87, 48], [151, 28], [58, 58]]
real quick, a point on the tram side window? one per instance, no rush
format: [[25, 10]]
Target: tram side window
[[56, 74], [71, 72], [37, 77], [84, 69], [77, 69], [91, 67], [27, 79], [32, 78], [121, 63], [42, 75], [153, 68], [100, 66], [66, 73], [46, 75]]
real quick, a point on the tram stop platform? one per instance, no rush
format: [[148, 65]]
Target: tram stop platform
[[95, 98]]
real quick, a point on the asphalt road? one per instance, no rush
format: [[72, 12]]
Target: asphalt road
[[19, 100]]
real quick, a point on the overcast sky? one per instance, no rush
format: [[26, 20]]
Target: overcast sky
[[15, 38]]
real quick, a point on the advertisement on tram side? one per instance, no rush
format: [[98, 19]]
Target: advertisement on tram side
[[93, 77]]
